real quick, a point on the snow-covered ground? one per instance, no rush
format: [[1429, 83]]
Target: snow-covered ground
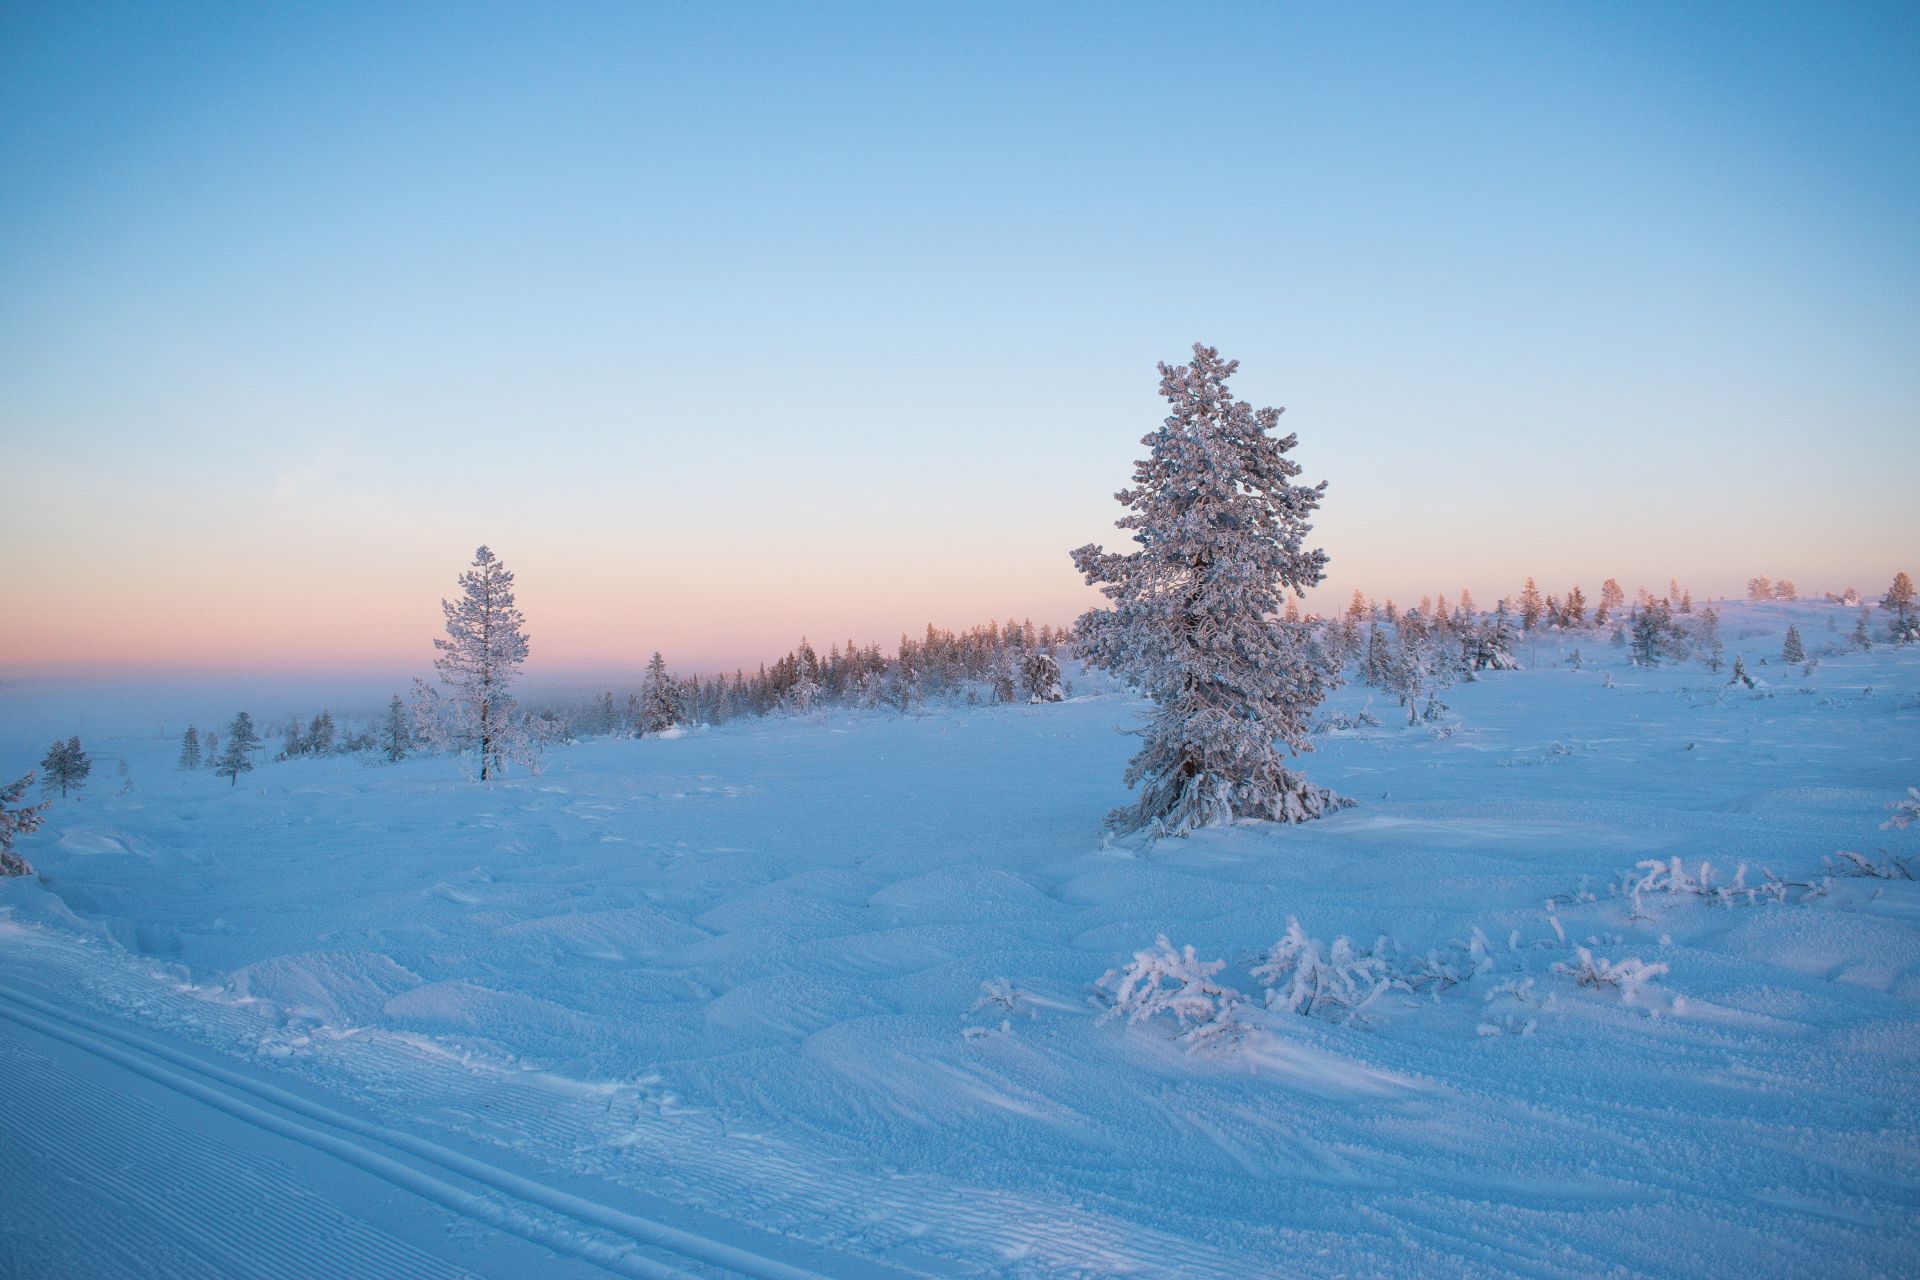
[[714, 1005]]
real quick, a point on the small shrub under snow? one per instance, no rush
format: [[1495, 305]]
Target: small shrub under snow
[[1301, 976], [1162, 980], [1673, 879], [1625, 976]]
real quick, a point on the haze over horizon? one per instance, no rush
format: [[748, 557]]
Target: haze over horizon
[[725, 331]]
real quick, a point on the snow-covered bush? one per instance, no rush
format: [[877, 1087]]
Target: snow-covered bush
[[1303, 976], [1040, 677], [1625, 976], [1162, 980]]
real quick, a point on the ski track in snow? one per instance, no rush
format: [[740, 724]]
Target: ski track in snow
[[409, 1163], [697, 1005]]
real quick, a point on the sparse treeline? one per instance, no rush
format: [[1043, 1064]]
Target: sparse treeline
[[1014, 661], [1417, 651], [997, 662]]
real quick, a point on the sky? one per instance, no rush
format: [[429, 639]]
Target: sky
[[724, 324]]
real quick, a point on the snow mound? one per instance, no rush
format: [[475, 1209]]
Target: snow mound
[[335, 988]]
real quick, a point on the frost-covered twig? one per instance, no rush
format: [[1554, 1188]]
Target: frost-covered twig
[[1859, 865]]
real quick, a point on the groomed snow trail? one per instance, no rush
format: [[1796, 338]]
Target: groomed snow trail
[[79, 1116]]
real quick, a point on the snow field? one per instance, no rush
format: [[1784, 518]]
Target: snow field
[[732, 983]]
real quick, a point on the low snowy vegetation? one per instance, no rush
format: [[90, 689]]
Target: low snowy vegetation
[[1672, 878], [1302, 976], [1627, 976], [1164, 982], [1906, 811]]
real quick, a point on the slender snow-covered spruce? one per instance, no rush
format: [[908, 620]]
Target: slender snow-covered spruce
[[1792, 650], [1899, 598], [396, 737], [478, 660], [1195, 612], [236, 758], [190, 749], [1706, 640]]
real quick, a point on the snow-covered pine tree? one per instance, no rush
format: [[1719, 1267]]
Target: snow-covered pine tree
[[478, 662], [804, 692], [1040, 677], [1740, 675], [17, 819], [396, 736], [1466, 603], [1489, 646], [190, 749], [242, 739], [1412, 664], [1792, 650], [1576, 610], [1686, 600], [659, 699], [1530, 606], [1611, 598], [1376, 668], [1706, 639], [1760, 587], [1785, 590], [1000, 676], [1861, 639], [1899, 598], [320, 734], [1194, 621], [66, 766], [1650, 633]]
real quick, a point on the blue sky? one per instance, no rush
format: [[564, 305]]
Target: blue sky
[[724, 323]]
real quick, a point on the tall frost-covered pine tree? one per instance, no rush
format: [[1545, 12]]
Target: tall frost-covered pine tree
[[1195, 613], [478, 661]]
